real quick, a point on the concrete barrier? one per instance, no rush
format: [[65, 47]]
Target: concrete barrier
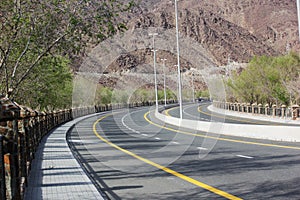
[[279, 133]]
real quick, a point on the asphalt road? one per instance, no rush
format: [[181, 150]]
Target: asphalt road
[[201, 112], [131, 155]]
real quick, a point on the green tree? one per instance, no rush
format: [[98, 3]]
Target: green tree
[[266, 80], [203, 93], [34, 31], [50, 84], [103, 95]]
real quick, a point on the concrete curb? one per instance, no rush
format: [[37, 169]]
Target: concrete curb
[[278, 133]]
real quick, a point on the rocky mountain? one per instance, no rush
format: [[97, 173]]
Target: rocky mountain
[[232, 28], [227, 29], [274, 21]]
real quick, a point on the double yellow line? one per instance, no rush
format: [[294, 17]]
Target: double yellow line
[[168, 170]]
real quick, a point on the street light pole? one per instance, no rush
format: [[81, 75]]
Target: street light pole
[[178, 62], [154, 66], [193, 87], [298, 11], [164, 65]]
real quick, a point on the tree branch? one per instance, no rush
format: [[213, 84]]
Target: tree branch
[[19, 59], [37, 61]]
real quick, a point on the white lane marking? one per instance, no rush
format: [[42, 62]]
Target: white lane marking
[[157, 138], [193, 116], [202, 148], [204, 119], [85, 141], [75, 141], [126, 126], [135, 131], [175, 142], [242, 156], [146, 135]]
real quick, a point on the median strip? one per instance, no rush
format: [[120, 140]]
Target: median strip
[[231, 118], [229, 130]]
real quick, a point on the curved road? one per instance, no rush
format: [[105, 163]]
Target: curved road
[[201, 112], [131, 155]]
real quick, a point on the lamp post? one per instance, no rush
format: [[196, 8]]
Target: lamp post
[[298, 11], [165, 94], [193, 87], [178, 62], [154, 66]]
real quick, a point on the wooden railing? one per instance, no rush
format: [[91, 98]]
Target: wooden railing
[[21, 131], [258, 109]]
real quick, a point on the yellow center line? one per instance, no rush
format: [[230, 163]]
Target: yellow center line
[[213, 115], [167, 111], [168, 170], [218, 138]]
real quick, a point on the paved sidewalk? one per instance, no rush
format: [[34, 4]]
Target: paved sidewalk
[[56, 174]]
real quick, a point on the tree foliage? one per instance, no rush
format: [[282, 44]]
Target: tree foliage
[[37, 33], [49, 85], [202, 93], [267, 80]]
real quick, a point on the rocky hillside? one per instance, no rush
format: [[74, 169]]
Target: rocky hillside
[[274, 21], [232, 28], [225, 29]]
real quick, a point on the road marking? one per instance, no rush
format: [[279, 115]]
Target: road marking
[[75, 141], [227, 117], [202, 148], [196, 117], [167, 111], [84, 141], [126, 126], [242, 156], [186, 113], [219, 116], [218, 138], [168, 170]]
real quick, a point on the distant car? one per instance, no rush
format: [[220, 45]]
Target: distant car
[[203, 99]]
